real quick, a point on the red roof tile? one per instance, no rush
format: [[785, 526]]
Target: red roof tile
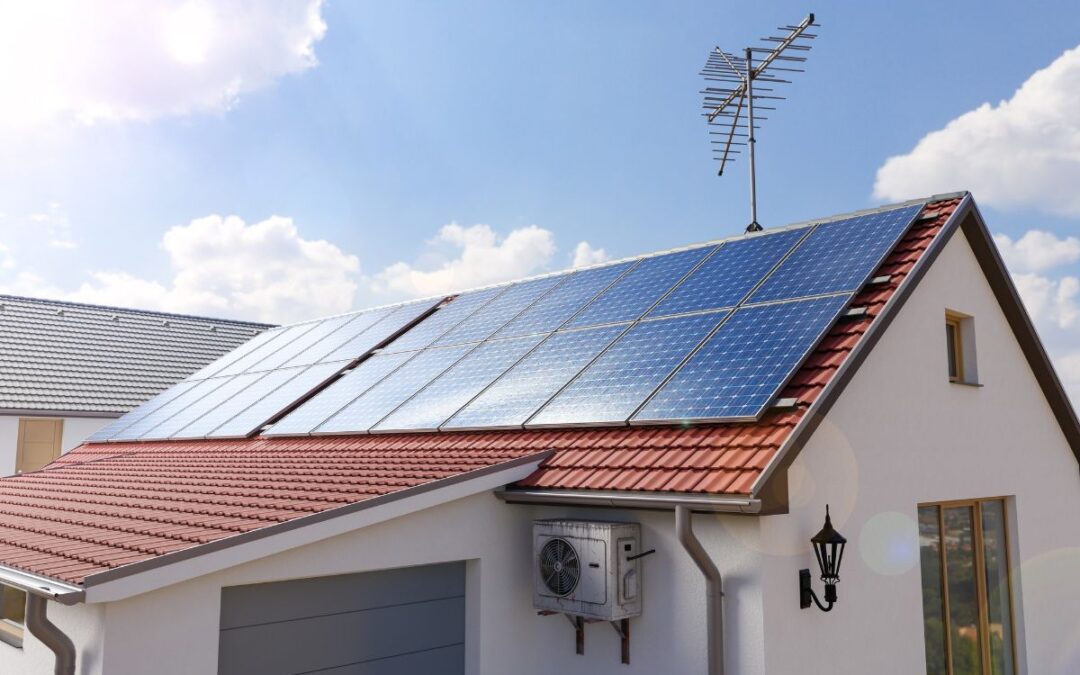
[[103, 506]]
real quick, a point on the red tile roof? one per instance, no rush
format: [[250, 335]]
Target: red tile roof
[[103, 506]]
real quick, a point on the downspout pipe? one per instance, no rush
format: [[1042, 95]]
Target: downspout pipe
[[714, 593], [37, 622]]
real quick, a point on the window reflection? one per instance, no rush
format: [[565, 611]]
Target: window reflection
[[933, 602], [999, 608], [959, 538]]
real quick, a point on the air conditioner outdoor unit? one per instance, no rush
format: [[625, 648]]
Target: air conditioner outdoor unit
[[587, 568]]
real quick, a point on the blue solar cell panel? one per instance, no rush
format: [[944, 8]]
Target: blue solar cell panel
[[320, 407], [519, 393], [220, 414], [445, 318], [494, 315], [322, 330], [282, 339], [274, 399], [563, 302], [117, 425], [458, 385], [357, 325], [243, 350], [637, 291], [191, 394], [729, 274], [838, 256], [739, 370], [616, 384], [380, 332], [379, 401], [217, 397]]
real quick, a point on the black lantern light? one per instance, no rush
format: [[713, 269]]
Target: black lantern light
[[829, 549]]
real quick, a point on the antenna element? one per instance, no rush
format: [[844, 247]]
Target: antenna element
[[727, 103]]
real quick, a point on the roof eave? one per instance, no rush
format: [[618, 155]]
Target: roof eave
[[660, 501], [46, 587]]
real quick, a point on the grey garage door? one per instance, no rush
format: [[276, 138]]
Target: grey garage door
[[393, 622]]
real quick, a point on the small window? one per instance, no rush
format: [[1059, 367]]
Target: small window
[[966, 588], [960, 348], [12, 615]]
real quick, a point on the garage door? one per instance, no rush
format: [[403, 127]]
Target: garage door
[[392, 622]]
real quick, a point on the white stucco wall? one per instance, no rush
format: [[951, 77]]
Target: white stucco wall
[[900, 435], [76, 429]]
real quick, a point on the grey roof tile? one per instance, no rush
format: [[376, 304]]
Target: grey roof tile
[[65, 356]]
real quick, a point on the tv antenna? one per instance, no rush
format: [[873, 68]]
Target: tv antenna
[[731, 105]]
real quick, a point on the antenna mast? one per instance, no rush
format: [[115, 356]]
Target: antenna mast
[[724, 104]]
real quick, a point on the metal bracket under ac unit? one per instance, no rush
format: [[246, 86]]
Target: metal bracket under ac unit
[[622, 627]]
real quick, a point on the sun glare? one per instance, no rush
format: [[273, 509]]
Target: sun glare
[[189, 32]]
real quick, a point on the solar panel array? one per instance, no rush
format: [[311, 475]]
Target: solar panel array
[[710, 332]]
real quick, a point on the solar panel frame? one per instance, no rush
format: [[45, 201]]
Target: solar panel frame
[[210, 420], [334, 398], [543, 372], [360, 323], [728, 276], [607, 380], [322, 330], [121, 423], [399, 321], [484, 322], [874, 234], [555, 309], [368, 409], [196, 409], [212, 368], [635, 293], [278, 402], [192, 394], [252, 358], [828, 310], [444, 319], [439, 399]]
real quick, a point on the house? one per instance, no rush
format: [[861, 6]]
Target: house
[[644, 447], [67, 369]]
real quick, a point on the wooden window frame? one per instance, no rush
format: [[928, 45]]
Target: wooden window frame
[[58, 441], [980, 577], [956, 347]]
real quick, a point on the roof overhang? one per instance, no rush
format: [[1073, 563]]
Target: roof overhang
[[45, 587], [662, 501]]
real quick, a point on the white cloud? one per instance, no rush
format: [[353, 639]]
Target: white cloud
[[1021, 152], [57, 227], [221, 266], [585, 255], [141, 59], [1038, 251], [465, 257]]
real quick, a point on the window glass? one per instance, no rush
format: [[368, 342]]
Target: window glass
[[951, 346], [999, 609], [959, 538], [933, 601]]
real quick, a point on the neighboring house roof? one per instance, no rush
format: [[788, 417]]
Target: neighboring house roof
[[93, 360], [108, 510]]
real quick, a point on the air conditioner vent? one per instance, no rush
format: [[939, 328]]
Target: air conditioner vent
[[560, 567]]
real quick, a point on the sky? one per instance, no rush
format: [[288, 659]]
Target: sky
[[287, 160]]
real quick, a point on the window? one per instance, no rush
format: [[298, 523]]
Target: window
[[12, 615], [39, 443], [966, 588], [960, 348]]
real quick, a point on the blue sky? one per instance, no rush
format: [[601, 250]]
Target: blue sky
[[233, 159]]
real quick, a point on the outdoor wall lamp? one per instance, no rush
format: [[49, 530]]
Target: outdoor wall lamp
[[829, 549]]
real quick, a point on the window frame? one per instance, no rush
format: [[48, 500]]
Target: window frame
[[955, 346], [980, 577]]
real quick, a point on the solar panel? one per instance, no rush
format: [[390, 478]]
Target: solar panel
[[381, 331], [255, 355], [435, 403], [320, 407], [729, 274], [444, 319], [379, 401], [197, 390], [357, 325], [556, 307], [739, 370], [321, 331], [276, 399], [243, 350], [196, 409], [616, 384], [632, 295], [117, 425], [212, 419], [494, 315], [520, 392], [838, 256]]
